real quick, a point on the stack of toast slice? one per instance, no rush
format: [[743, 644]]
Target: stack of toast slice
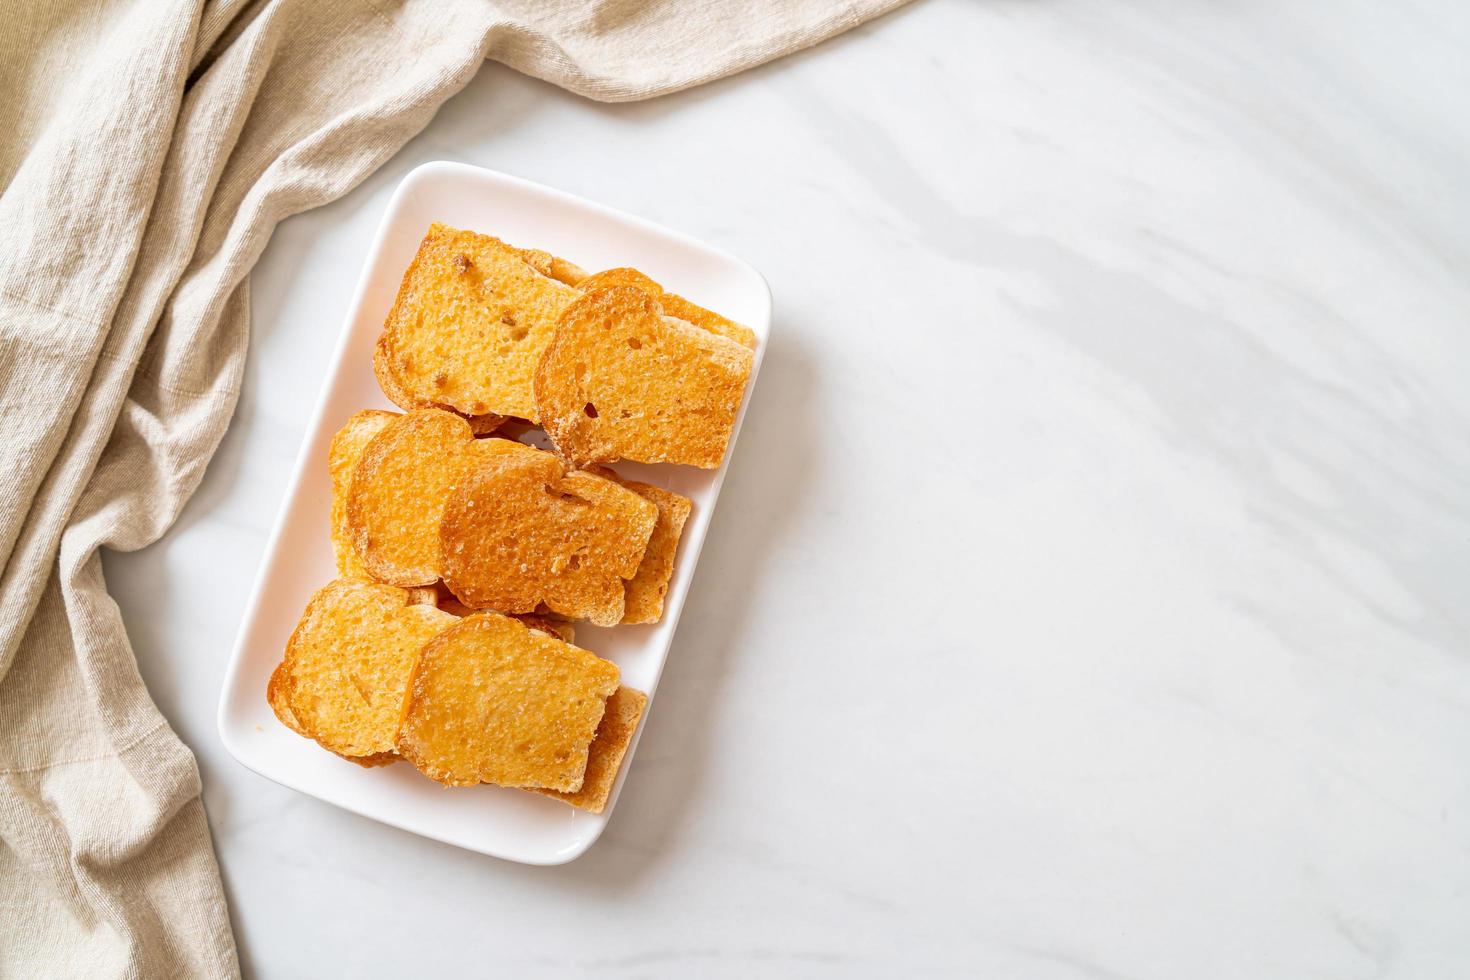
[[463, 555], [374, 678], [611, 364]]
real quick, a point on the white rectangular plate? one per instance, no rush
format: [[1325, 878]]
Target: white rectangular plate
[[506, 823]]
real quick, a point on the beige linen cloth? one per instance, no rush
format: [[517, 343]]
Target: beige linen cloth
[[147, 150]]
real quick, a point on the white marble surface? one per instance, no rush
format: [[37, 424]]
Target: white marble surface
[[1089, 595]]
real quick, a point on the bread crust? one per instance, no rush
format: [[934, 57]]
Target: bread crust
[[399, 487], [490, 700], [520, 532], [643, 594], [552, 266], [605, 756], [470, 321], [347, 665], [620, 380], [346, 449], [480, 425], [275, 695], [673, 304]]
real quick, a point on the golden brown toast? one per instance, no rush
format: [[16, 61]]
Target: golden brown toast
[[480, 425], [520, 531], [399, 487], [470, 322], [622, 381], [346, 449], [644, 593], [492, 701], [673, 304], [605, 756], [347, 666], [275, 693]]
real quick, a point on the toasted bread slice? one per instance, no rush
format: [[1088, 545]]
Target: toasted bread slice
[[399, 486], [492, 701], [622, 381], [480, 425], [645, 591], [605, 756], [470, 323], [519, 531], [674, 305], [346, 449], [276, 694], [347, 665]]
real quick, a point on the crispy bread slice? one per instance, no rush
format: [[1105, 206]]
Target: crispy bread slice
[[605, 756], [644, 593], [399, 487], [519, 531], [492, 701], [275, 693], [471, 320], [346, 449], [622, 381], [674, 305], [347, 665], [480, 425]]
